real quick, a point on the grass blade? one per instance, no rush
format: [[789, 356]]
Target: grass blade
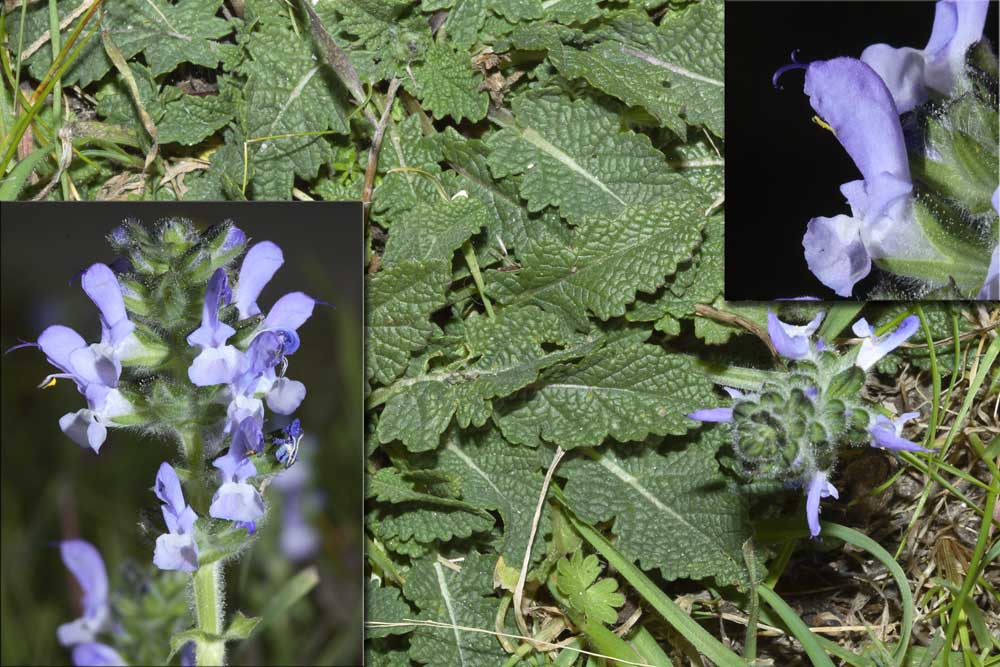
[[708, 645]]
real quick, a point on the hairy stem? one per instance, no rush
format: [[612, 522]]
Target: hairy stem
[[208, 596]]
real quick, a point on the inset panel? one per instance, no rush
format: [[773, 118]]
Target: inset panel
[[182, 430], [875, 175]]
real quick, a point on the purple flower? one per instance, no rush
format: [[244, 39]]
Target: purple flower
[[886, 432], [95, 368], [289, 312], [217, 362], [289, 441], [819, 487], [720, 414], [258, 377], [712, 415], [260, 264], [87, 566], [835, 253], [236, 499], [177, 549], [911, 73], [875, 347], [95, 654], [991, 286], [852, 98], [101, 285], [791, 341], [298, 539], [234, 237]]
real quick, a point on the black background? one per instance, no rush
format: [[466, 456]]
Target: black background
[[781, 168]]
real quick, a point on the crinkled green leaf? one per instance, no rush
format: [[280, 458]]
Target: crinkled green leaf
[[381, 653], [517, 10], [465, 20], [608, 259], [447, 85], [428, 520], [390, 28], [399, 301], [573, 155], [673, 510], [190, 119], [699, 280], [578, 581], [509, 352], [289, 98], [409, 164], [511, 227], [166, 33], [433, 231], [386, 604], [626, 390], [461, 600], [571, 11], [674, 70], [498, 476]]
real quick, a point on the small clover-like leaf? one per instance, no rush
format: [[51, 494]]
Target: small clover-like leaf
[[578, 581]]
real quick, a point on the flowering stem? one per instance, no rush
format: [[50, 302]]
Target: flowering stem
[[208, 597], [194, 455]]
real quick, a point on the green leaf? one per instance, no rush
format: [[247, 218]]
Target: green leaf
[[381, 653], [498, 476], [190, 119], [447, 85], [165, 33], [508, 223], [571, 11], [607, 260], [407, 512], [674, 70], [287, 92], [386, 604], [626, 390], [387, 27], [574, 156], [241, 627], [465, 20], [672, 510], [578, 581], [509, 351], [433, 231], [418, 156], [400, 300], [461, 600]]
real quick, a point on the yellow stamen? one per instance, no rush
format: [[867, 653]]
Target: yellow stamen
[[50, 383], [822, 123]]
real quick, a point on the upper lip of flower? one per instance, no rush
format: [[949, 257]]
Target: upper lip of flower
[[910, 73]]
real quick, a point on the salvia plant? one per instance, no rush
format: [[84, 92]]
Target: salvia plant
[[921, 127], [791, 429], [184, 358], [543, 187]]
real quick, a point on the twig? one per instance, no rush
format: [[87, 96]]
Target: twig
[[523, 576], [372, 167], [338, 60], [118, 60], [65, 157], [733, 319]]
